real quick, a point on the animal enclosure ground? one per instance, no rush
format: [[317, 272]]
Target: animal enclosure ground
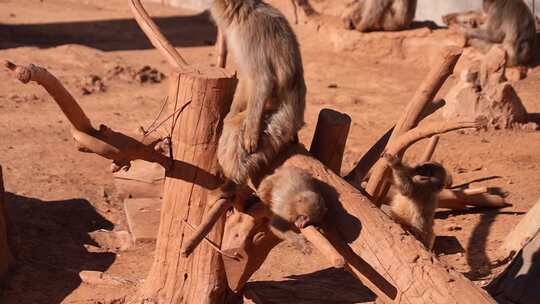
[[57, 196]]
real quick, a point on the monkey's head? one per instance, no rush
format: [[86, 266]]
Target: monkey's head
[[310, 209], [431, 175]]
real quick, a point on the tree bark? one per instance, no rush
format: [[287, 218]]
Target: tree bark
[[199, 102], [525, 230], [5, 254]]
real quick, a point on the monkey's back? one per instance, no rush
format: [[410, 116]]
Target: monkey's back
[[415, 214], [515, 18]]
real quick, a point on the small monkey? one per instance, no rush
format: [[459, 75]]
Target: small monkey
[[379, 15], [510, 23], [268, 106], [294, 203], [416, 201]]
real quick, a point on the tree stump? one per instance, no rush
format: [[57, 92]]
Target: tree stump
[[5, 254], [199, 101]]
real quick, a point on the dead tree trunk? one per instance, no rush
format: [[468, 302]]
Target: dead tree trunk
[[199, 102], [5, 254]]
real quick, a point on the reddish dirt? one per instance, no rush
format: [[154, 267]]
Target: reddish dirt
[[57, 196]]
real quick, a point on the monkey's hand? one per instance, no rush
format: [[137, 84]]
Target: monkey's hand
[[391, 159], [250, 136]]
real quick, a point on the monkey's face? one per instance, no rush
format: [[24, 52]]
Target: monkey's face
[[310, 209]]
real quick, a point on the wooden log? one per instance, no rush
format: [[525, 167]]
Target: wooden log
[[518, 284], [199, 278], [525, 230], [323, 245], [423, 96], [460, 199], [6, 258], [393, 264], [430, 149], [328, 144]]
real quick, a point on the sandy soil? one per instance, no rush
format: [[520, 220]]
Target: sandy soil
[[57, 196]]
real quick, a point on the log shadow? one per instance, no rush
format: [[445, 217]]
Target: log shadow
[[517, 283], [49, 238], [446, 244], [324, 286], [477, 259], [110, 35]]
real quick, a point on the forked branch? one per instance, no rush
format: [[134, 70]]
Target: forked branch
[[120, 148]]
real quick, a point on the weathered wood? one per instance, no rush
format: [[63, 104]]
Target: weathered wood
[[393, 264], [205, 98], [120, 148], [423, 96], [328, 144], [6, 258], [525, 230], [519, 283]]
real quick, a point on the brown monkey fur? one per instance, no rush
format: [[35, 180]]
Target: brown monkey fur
[[416, 201], [268, 106], [379, 15], [510, 23], [294, 202]]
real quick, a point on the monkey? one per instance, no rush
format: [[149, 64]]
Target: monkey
[[268, 107], [379, 15], [294, 202], [471, 19], [416, 201], [507, 22]]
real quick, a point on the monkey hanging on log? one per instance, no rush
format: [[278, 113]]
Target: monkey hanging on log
[[291, 196], [416, 201], [268, 106], [379, 15], [507, 22]]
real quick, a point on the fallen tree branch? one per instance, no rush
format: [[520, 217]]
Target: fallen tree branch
[[478, 197]]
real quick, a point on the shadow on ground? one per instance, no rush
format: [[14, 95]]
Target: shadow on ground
[[325, 286], [109, 35], [49, 246]]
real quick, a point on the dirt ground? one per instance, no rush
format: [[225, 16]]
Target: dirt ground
[[57, 196]]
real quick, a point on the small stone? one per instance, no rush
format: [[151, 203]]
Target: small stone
[[333, 86], [516, 73]]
